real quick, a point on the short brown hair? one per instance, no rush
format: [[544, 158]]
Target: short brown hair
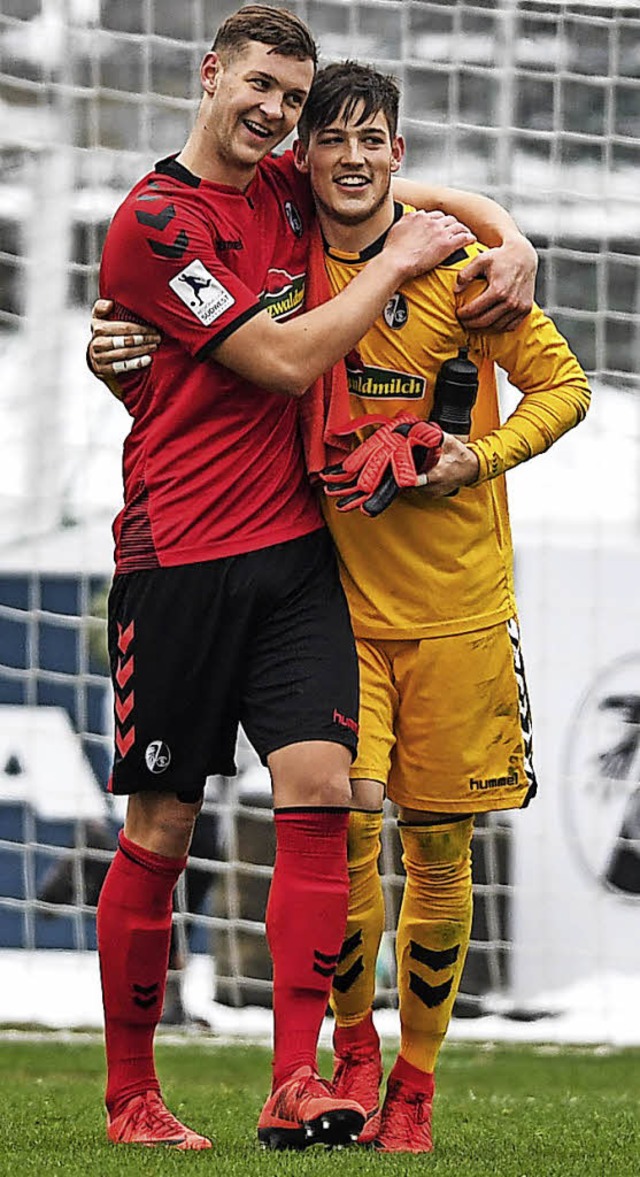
[[278, 27], [345, 84]]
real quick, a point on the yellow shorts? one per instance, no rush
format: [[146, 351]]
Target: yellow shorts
[[445, 723]]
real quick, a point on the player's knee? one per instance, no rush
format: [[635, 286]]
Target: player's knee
[[322, 787], [179, 817], [161, 822], [367, 794], [315, 773], [331, 788], [442, 847]]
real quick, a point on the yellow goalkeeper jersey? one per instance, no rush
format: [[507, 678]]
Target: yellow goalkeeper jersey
[[429, 567]]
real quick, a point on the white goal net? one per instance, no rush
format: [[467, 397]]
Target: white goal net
[[538, 105]]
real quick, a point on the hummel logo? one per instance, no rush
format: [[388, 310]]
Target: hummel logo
[[344, 721], [222, 245], [476, 784]]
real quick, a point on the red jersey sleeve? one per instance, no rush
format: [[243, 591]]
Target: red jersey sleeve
[[160, 263]]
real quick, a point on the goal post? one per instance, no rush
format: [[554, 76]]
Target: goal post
[[534, 102]]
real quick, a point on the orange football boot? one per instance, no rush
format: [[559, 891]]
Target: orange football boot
[[145, 1120], [357, 1072], [405, 1122], [304, 1111]]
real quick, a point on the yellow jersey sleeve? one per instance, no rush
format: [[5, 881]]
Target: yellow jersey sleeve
[[555, 392]]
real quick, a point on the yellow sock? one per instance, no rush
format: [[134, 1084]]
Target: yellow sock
[[433, 934], [354, 983]]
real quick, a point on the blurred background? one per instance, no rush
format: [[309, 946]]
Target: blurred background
[[534, 103]]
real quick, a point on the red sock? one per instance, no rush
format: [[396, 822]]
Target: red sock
[[359, 1041], [134, 930], [410, 1076], [306, 921]]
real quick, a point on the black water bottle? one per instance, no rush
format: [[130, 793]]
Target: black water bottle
[[455, 395]]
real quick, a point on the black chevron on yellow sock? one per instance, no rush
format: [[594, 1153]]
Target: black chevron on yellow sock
[[354, 983], [433, 934], [434, 959], [343, 982], [430, 995], [351, 944]]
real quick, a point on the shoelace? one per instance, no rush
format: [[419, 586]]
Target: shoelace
[[356, 1064], [401, 1104], [152, 1116], [315, 1087]]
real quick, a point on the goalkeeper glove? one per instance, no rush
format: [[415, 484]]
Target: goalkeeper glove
[[395, 457]]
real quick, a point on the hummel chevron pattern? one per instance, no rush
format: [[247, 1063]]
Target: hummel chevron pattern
[[434, 959], [124, 707], [124, 743], [429, 995], [523, 701], [177, 250], [351, 944], [124, 703], [123, 672], [145, 996], [343, 981], [432, 995], [159, 220], [324, 964]]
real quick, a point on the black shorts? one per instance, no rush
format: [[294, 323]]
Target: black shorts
[[263, 639]]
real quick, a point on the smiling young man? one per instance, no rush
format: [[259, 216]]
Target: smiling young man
[[445, 726]]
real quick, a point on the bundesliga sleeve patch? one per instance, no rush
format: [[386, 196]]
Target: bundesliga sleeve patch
[[201, 292]]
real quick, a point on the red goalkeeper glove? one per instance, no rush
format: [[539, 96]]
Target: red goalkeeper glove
[[395, 457]]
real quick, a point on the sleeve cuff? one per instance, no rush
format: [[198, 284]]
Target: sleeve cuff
[[489, 465]]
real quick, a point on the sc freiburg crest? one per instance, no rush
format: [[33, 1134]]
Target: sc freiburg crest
[[157, 756], [601, 789], [293, 217], [396, 312]]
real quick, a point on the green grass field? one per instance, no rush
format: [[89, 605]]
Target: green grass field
[[500, 1112]]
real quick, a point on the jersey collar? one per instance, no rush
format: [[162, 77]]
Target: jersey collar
[[370, 251], [171, 167]]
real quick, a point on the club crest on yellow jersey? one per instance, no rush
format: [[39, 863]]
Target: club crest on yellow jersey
[[396, 312]]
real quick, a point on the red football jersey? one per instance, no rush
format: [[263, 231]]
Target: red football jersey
[[213, 465]]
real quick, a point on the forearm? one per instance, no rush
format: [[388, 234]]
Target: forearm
[[491, 223], [288, 357], [537, 422]]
